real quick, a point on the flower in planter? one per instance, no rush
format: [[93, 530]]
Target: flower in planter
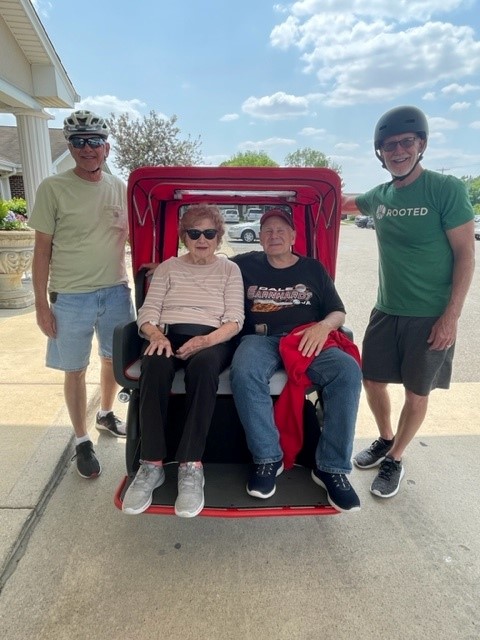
[[13, 215]]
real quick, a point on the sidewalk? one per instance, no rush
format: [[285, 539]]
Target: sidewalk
[[36, 437], [36, 434]]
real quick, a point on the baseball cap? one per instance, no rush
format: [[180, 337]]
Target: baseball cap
[[277, 213]]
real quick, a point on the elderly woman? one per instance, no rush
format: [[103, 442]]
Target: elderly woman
[[194, 306]]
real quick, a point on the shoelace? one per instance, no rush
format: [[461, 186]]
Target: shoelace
[[142, 477], [265, 469], [340, 480], [378, 445], [388, 468], [85, 451], [188, 477]]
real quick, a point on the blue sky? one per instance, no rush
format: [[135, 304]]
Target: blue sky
[[279, 77]]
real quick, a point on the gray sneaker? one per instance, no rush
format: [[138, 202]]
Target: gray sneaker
[[190, 500], [387, 482], [138, 496], [373, 455]]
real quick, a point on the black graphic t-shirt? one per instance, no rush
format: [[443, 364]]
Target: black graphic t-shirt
[[285, 298]]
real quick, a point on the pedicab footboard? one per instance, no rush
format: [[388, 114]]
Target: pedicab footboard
[[226, 459]]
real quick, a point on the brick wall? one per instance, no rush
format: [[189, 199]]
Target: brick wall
[[16, 187]]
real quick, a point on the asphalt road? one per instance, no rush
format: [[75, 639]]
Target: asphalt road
[[356, 281]]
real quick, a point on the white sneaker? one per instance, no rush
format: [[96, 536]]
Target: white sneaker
[[138, 496], [190, 500]]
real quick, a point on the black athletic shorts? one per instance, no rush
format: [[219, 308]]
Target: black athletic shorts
[[395, 349]]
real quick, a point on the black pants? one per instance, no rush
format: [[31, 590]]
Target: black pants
[[201, 384]]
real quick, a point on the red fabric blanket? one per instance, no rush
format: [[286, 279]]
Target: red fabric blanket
[[288, 409]]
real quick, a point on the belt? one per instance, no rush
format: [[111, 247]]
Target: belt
[[183, 329], [264, 330]]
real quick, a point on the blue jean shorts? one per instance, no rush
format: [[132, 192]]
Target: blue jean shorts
[[78, 316]]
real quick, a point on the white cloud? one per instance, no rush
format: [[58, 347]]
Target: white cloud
[[269, 143], [229, 117], [460, 106], [103, 105], [429, 96], [475, 124], [278, 106], [457, 89], [357, 48], [347, 146], [442, 124], [312, 132]]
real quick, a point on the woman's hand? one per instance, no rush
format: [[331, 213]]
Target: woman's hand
[[192, 346], [159, 343]]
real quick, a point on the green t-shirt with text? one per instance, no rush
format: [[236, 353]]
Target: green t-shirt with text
[[415, 257]]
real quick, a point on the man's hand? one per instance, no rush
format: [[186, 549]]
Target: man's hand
[[443, 333], [313, 338], [46, 321]]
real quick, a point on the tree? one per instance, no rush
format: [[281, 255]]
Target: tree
[[473, 187], [151, 141], [250, 159], [308, 157]]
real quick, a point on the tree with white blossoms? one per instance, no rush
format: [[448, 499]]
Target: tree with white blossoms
[[151, 141]]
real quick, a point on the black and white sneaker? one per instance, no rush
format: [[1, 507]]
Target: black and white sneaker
[[373, 455], [88, 465], [112, 424], [387, 482], [261, 482], [340, 493]]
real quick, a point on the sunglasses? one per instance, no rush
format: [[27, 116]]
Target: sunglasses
[[405, 143], [194, 234], [79, 143]]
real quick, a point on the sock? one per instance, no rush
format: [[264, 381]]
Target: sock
[[387, 441], [81, 439], [197, 463], [156, 463], [102, 413]]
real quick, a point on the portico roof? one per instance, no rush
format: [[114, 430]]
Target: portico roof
[[32, 75]]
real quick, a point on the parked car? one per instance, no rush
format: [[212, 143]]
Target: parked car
[[477, 227], [254, 214], [246, 231], [365, 222], [231, 215]]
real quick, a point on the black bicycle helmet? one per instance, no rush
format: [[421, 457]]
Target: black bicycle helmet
[[400, 120]]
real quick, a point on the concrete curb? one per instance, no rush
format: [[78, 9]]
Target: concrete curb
[[30, 495]]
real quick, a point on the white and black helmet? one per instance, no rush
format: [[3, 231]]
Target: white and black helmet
[[85, 122]]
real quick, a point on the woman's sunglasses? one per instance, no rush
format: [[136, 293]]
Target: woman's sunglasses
[[194, 234]]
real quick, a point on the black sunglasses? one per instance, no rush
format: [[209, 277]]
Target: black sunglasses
[[79, 143], [194, 234]]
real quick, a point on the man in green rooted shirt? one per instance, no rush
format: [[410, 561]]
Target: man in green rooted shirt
[[424, 226]]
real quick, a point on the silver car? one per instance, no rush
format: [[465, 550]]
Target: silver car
[[246, 231], [231, 215]]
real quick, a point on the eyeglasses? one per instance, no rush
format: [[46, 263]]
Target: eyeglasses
[[194, 234], [79, 143], [405, 143]]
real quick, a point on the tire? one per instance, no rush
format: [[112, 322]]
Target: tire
[[248, 235]]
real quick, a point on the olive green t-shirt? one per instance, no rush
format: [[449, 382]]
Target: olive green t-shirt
[[415, 257], [88, 222]]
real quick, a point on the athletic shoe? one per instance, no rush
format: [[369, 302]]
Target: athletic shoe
[[340, 493], [138, 496], [112, 424], [261, 483], [387, 482], [190, 500], [373, 455], [87, 464]]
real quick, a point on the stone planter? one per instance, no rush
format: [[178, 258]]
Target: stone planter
[[16, 255]]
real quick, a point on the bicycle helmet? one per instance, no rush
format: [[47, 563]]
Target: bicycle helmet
[[400, 120], [85, 122]]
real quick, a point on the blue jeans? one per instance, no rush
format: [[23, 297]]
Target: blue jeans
[[335, 372]]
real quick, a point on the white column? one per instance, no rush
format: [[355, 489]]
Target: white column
[[35, 151]]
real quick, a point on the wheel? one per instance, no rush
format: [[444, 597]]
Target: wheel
[[248, 236]]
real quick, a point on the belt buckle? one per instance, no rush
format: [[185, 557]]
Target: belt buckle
[[261, 329]]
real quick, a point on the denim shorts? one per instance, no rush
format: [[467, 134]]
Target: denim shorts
[[78, 316]]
